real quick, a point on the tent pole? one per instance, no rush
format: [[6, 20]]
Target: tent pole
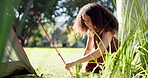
[[49, 38]]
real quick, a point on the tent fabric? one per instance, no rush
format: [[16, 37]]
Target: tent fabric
[[15, 60]]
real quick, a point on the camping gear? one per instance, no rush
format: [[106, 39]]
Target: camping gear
[[15, 60]]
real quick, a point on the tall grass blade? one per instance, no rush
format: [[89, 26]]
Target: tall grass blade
[[7, 18]]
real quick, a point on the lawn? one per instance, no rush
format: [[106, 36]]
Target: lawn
[[47, 62]]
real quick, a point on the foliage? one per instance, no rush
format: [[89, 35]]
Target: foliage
[[35, 38], [130, 61], [26, 22], [47, 11], [6, 19], [75, 40], [70, 8], [56, 35]]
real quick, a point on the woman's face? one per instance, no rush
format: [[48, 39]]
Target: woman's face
[[87, 21]]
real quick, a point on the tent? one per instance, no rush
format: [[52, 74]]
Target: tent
[[15, 61]]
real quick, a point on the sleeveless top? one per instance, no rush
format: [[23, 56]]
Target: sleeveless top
[[91, 64], [113, 47]]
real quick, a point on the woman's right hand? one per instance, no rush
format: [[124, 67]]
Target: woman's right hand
[[70, 64]]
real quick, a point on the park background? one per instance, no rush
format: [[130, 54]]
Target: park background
[[58, 16]]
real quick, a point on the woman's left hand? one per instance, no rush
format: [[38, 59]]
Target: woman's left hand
[[69, 65]]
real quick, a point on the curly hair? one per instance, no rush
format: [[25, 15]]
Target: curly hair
[[101, 18]]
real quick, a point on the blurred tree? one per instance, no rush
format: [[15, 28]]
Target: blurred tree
[[47, 11], [64, 39], [56, 35], [26, 22], [35, 38], [70, 8]]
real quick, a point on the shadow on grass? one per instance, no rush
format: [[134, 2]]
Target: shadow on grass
[[87, 75], [82, 75], [26, 76]]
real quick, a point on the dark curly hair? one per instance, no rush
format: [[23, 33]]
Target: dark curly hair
[[101, 18]]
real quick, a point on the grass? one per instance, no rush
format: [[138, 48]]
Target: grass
[[47, 62], [130, 61]]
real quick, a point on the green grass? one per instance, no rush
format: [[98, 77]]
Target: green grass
[[130, 61], [47, 62]]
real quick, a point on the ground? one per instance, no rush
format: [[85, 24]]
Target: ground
[[46, 61]]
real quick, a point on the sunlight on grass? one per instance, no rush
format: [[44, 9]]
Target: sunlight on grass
[[130, 61], [47, 62]]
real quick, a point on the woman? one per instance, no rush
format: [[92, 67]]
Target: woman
[[100, 25]]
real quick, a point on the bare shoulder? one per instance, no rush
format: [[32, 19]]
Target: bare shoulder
[[107, 35]]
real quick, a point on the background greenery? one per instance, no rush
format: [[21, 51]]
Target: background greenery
[[49, 12], [130, 61]]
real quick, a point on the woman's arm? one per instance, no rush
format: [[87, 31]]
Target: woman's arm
[[89, 45], [106, 39]]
